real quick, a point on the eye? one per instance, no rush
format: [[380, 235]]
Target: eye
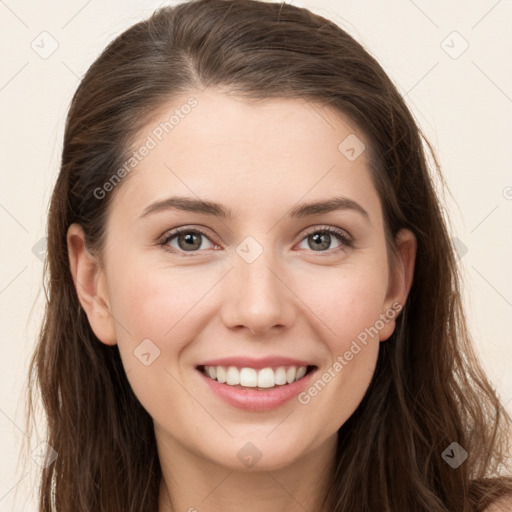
[[321, 238], [188, 240]]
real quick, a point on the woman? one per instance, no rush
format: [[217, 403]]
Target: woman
[[253, 299]]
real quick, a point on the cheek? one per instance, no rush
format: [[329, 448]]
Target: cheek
[[154, 317], [164, 304], [347, 380], [348, 302], [349, 306], [154, 303], [352, 343]]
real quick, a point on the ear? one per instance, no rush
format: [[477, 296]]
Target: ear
[[90, 285], [400, 281]]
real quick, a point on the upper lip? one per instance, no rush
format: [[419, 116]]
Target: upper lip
[[249, 362]]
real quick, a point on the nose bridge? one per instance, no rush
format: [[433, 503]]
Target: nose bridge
[[258, 298]]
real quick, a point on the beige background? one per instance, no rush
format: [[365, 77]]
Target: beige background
[[463, 102]]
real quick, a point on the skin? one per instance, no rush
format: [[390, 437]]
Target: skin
[[295, 299]]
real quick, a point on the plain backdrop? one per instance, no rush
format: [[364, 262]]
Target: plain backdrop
[[450, 60]]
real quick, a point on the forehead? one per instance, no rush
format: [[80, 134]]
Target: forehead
[[247, 154]]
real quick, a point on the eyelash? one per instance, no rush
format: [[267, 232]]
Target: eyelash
[[337, 232]]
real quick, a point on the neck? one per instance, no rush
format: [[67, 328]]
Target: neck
[[197, 484]]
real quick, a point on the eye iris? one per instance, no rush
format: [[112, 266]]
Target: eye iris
[[316, 237], [188, 237], [191, 240]]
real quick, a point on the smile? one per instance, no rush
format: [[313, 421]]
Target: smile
[[263, 378], [256, 390]]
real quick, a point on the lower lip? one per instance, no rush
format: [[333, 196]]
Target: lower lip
[[255, 400]]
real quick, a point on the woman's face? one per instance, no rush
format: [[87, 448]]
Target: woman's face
[[265, 282]]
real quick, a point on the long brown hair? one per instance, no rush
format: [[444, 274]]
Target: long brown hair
[[428, 390]]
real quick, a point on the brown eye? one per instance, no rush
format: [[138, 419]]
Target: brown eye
[[319, 240], [188, 240]]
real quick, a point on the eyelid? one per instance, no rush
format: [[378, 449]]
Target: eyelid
[[346, 239], [335, 230], [166, 237]]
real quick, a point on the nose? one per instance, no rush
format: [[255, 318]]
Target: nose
[[258, 297]]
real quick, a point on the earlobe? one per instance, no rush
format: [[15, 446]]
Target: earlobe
[[400, 283], [90, 286]]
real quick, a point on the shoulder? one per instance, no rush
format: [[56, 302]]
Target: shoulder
[[503, 505]]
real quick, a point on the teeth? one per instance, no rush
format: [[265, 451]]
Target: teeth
[[249, 377], [266, 378], [221, 374], [232, 376]]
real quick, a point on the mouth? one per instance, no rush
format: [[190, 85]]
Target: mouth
[[263, 379]]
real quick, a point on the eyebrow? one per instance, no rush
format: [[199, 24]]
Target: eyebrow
[[189, 204]]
